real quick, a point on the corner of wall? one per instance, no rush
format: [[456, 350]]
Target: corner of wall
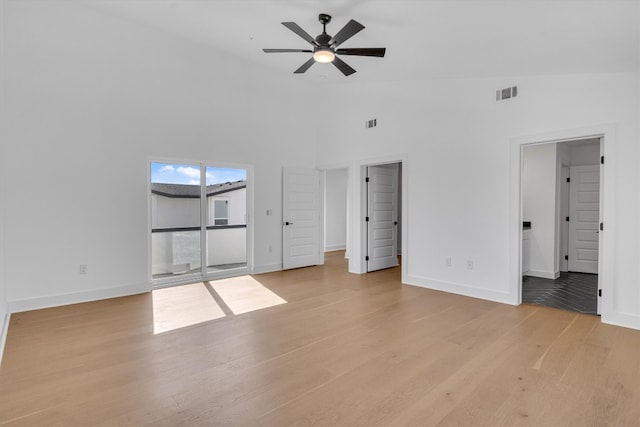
[[5, 317], [266, 268], [4, 309]]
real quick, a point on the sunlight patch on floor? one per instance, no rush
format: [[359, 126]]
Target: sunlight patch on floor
[[181, 306], [244, 294]]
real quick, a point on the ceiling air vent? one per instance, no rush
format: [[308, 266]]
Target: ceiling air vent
[[510, 92]]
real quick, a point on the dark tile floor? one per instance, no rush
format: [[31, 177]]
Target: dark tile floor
[[571, 291]]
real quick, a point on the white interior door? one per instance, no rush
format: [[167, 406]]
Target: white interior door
[[301, 217], [382, 214], [584, 218]]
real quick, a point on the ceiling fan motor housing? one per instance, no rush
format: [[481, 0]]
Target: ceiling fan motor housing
[[323, 40]]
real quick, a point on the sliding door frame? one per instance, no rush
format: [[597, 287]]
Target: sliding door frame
[[203, 274]]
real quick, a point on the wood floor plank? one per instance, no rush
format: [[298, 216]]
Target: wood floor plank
[[345, 349]]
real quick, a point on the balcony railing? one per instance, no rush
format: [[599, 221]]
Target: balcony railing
[[177, 250]]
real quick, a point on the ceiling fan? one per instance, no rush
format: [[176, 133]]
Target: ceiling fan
[[325, 46]]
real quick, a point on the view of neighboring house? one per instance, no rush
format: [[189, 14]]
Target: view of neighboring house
[[175, 222]]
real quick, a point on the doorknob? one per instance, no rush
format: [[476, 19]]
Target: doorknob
[[288, 223]]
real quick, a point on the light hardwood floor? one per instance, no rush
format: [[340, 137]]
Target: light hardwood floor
[[345, 350]]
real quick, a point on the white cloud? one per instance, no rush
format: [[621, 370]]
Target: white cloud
[[167, 168], [189, 171], [194, 182]]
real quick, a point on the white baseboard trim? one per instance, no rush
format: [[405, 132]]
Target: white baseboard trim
[[626, 320], [543, 274], [332, 248], [17, 306], [461, 289], [4, 329], [267, 268]]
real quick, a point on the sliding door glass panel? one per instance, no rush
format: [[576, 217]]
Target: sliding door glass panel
[[226, 243], [175, 220]]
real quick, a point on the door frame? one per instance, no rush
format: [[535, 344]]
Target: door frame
[[323, 207], [564, 225], [370, 214], [349, 167], [606, 273], [357, 263], [356, 206]]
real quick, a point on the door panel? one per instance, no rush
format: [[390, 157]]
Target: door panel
[[584, 218], [175, 223], [382, 210], [301, 219]]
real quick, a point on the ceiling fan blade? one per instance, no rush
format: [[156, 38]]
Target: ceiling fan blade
[[364, 51], [348, 31], [343, 66], [304, 67], [299, 31], [285, 50]]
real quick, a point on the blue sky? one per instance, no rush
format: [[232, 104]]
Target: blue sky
[[173, 173]]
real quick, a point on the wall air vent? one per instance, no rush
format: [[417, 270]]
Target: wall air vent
[[508, 93]]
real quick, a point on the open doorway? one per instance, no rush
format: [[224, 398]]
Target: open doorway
[[335, 216], [335, 203], [561, 186], [382, 208]]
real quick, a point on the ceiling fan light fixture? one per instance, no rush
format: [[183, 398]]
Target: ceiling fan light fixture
[[325, 46], [324, 55]]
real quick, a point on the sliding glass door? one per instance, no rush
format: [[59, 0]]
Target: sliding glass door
[[198, 221], [226, 213]]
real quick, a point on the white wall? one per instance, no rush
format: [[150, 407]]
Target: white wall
[[458, 142], [335, 204], [4, 318], [91, 99], [226, 246], [539, 206], [170, 212], [237, 200]]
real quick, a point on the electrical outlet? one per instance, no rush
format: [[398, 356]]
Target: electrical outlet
[[447, 261], [469, 265], [83, 268]]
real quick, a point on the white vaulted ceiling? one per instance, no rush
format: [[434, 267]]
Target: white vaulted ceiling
[[424, 39]]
